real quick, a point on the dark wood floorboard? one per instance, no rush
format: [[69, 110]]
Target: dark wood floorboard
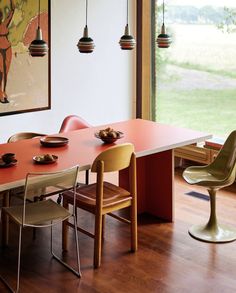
[[168, 259]]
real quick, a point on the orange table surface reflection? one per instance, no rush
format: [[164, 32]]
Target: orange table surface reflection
[[153, 142]]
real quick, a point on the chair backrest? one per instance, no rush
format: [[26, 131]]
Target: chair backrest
[[225, 163], [73, 122], [45, 184], [115, 158], [24, 135]]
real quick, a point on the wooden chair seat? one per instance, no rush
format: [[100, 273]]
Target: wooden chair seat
[[86, 196]]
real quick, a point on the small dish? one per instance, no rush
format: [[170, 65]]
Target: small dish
[[8, 158], [109, 139], [6, 165], [45, 159], [53, 141]]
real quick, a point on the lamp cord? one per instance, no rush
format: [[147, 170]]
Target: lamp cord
[[39, 15], [86, 12], [127, 11], [163, 13]]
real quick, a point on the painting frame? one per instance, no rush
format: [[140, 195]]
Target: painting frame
[[13, 107]]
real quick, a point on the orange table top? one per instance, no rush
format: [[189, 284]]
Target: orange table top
[[148, 138]]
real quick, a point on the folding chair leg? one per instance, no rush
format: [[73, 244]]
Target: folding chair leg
[[77, 244], [19, 260], [78, 272], [65, 228]]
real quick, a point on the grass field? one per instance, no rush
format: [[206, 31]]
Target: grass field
[[199, 49], [203, 110]]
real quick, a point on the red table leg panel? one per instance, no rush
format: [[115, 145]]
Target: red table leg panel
[[154, 184]]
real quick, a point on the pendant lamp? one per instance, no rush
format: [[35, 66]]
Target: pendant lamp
[[163, 40], [86, 44], [38, 48], [127, 42]]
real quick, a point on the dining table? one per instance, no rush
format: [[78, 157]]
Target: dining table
[[154, 145]]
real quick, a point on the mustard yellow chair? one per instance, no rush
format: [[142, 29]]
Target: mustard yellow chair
[[102, 198], [220, 173], [44, 213]]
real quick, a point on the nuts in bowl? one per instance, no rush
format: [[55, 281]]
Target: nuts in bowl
[[109, 135], [45, 159]]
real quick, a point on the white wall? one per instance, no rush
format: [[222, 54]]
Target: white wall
[[100, 86]]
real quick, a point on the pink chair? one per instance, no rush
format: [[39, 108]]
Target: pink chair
[[74, 122]]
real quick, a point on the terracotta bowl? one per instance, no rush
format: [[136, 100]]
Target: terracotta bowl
[[109, 139]]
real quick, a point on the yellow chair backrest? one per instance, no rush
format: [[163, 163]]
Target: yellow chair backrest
[[115, 158]]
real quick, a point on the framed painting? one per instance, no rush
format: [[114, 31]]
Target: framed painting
[[24, 80]]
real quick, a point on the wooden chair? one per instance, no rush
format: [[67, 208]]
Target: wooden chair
[[220, 173], [102, 198], [24, 135], [45, 213], [74, 122]]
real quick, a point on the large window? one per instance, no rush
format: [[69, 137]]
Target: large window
[[196, 75]]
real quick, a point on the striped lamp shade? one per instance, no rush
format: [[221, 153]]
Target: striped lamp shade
[[163, 40], [86, 44], [38, 47], [127, 42]]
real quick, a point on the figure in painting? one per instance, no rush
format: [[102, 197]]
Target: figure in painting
[[5, 51]]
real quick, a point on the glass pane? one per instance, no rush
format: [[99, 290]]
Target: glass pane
[[196, 75]]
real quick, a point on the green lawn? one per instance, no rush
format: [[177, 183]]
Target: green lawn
[[198, 105], [205, 110]]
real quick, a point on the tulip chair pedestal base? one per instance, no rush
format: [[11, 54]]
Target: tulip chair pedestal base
[[217, 234]]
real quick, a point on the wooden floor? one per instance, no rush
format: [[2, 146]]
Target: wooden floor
[[168, 259]]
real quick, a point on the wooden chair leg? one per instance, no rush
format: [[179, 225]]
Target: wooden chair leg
[[134, 229], [5, 219], [103, 226], [97, 241], [65, 229]]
